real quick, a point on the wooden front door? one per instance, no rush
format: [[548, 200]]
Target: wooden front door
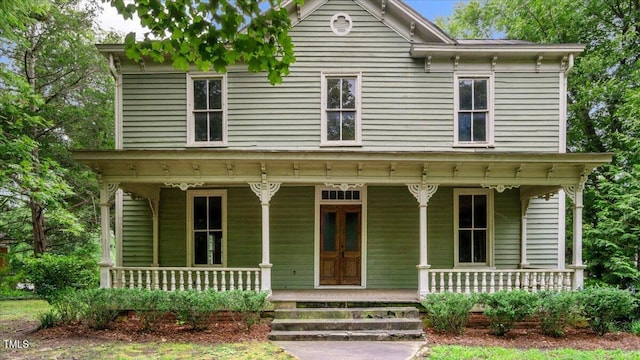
[[340, 244]]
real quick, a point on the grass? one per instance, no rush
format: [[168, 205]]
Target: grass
[[26, 310], [479, 353]]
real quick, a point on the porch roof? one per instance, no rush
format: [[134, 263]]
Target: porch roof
[[225, 166]]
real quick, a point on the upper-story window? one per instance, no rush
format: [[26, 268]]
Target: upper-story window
[[207, 118], [473, 110], [341, 109]]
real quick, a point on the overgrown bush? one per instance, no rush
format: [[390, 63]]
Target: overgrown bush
[[49, 319], [504, 309], [449, 312], [556, 311], [634, 327], [151, 306], [248, 304], [53, 274], [98, 307], [603, 305], [69, 306]]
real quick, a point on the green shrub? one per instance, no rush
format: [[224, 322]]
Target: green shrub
[[504, 309], [98, 306], [53, 274], [557, 310], [449, 312], [49, 319], [603, 305], [248, 304], [69, 307], [151, 306], [634, 327], [195, 308]]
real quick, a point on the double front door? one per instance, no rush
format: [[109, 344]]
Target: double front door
[[340, 244]]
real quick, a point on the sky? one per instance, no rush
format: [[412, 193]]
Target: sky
[[110, 19]]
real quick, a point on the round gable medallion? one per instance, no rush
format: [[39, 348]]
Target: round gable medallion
[[341, 24]]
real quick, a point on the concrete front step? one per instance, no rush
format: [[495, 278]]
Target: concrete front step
[[348, 313], [346, 324], [371, 335]]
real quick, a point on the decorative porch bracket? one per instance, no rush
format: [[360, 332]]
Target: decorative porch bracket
[[107, 190], [575, 193], [265, 191], [423, 193]]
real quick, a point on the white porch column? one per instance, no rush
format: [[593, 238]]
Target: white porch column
[[524, 205], [423, 193], [575, 193], [265, 190], [154, 204], [106, 192]]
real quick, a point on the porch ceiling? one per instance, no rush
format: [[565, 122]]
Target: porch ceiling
[[223, 166]]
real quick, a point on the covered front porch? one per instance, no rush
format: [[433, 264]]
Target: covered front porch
[[292, 183]]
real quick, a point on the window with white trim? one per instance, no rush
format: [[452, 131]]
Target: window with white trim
[[207, 227], [341, 109], [473, 110], [207, 118], [473, 212]]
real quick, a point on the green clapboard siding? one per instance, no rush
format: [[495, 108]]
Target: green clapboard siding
[[507, 229], [244, 228], [542, 232], [137, 233], [292, 240], [392, 238], [154, 109], [440, 229], [172, 245]]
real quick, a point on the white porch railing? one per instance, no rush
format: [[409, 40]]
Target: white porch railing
[[185, 278], [488, 281]]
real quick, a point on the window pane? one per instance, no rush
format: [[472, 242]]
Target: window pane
[[464, 127], [479, 246], [201, 126], [333, 93], [348, 93], [329, 231], [464, 246], [464, 87], [465, 211], [351, 231], [200, 94], [480, 211], [333, 125], [200, 252], [215, 247], [215, 94], [200, 213], [215, 213], [348, 125], [215, 126], [480, 126], [480, 95]]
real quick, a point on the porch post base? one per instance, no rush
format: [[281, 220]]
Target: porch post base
[[524, 265], [577, 281], [265, 277], [423, 280], [105, 276]]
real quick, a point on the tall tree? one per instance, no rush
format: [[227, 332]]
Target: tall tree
[[66, 79], [603, 104], [213, 34]]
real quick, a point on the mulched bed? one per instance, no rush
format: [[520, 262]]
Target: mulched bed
[[527, 335]]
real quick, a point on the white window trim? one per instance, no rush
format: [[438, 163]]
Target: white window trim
[[190, 118], [323, 110], [490, 227], [316, 248], [190, 248], [490, 108]]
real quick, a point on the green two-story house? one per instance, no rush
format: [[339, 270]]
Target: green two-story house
[[391, 157]]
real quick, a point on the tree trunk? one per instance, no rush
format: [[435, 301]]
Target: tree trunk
[[38, 225]]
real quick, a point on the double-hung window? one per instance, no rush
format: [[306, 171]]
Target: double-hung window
[[473, 210], [207, 227], [341, 109], [207, 124], [473, 110]]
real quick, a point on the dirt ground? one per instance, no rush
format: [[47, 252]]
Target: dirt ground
[[526, 335]]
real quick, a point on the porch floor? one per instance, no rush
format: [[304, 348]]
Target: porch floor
[[346, 295]]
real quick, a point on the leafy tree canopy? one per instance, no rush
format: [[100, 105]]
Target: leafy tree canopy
[[213, 34]]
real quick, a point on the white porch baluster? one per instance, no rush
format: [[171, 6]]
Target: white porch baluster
[[257, 281], [500, 282], [164, 280], [123, 281], [543, 283], [484, 282], [223, 281], [517, 276], [206, 280], [442, 288], [492, 283], [475, 281], [450, 283], [534, 282], [139, 279], [198, 282], [156, 280], [240, 280], [525, 281], [147, 280], [215, 280], [509, 285], [231, 281], [458, 282], [433, 282], [173, 280], [467, 289], [181, 280]]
